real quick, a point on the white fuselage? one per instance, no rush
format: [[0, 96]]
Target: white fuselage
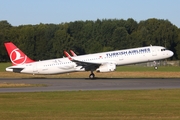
[[119, 57]]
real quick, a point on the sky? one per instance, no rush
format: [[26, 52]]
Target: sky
[[23, 12]]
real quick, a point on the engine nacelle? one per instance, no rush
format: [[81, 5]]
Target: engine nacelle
[[108, 67]]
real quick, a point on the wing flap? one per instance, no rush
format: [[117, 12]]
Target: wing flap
[[87, 65]]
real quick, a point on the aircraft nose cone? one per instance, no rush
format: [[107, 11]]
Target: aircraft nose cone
[[171, 53]]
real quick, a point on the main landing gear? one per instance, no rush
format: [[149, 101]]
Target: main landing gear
[[92, 75]]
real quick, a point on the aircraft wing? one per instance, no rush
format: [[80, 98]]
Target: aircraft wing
[[73, 54], [87, 65]]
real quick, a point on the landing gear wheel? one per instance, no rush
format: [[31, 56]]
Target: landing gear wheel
[[156, 67], [91, 76]]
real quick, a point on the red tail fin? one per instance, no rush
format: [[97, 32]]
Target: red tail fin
[[16, 55]]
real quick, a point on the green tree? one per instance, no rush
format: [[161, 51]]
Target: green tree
[[120, 38], [4, 37], [131, 25], [45, 41]]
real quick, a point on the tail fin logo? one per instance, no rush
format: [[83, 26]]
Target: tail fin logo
[[16, 57]]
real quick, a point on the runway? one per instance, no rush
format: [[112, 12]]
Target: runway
[[62, 84]]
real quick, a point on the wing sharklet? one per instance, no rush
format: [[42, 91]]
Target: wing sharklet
[[67, 55]]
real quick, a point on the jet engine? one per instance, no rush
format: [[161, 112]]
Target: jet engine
[[108, 67]]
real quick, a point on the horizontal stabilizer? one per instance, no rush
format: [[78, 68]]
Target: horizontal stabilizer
[[16, 70]]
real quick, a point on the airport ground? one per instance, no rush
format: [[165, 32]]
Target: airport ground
[[148, 95]]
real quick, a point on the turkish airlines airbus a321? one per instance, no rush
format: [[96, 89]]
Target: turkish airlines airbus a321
[[100, 62]]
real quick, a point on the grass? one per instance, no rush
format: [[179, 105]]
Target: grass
[[92, 105], [3, 66], [129, 68], [143, 74], [15, 85], [132, 71], [135, 68]]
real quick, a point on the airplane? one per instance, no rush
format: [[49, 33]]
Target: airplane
[[100, 62]]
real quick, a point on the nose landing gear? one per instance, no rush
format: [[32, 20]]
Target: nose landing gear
[[155, 65]]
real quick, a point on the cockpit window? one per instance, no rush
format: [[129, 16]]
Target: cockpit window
[[163, 49]]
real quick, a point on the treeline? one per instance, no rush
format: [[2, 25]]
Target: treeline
[[46, 41]]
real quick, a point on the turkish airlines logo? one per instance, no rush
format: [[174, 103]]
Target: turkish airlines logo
[[17, 58]]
